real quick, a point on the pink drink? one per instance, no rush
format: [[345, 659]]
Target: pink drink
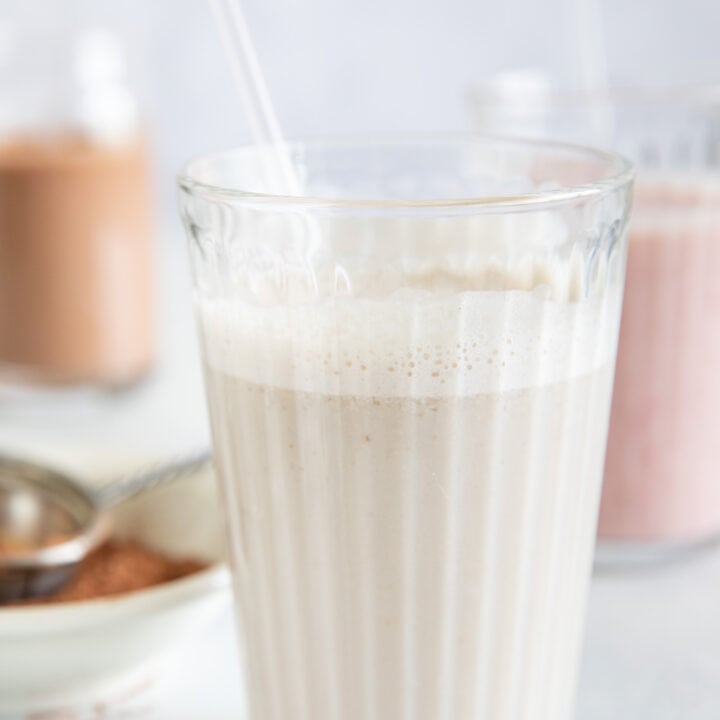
[[662, 484], [661, 478]]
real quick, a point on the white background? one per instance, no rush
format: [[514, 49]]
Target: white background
[[355, 65]]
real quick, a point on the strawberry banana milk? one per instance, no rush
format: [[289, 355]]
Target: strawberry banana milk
[[661, 477]]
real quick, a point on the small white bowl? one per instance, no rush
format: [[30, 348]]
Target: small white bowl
[[70, 657]]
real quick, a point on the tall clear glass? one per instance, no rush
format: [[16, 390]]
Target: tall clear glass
[[408, 373], [661, 494]]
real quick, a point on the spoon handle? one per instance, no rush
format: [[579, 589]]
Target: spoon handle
[[126, 487]]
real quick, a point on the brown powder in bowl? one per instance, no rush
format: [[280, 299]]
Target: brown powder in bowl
[[121, 566]]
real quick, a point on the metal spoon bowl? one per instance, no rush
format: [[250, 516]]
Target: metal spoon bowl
[[49, 521]]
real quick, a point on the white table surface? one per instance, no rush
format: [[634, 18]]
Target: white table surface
[[652, 652], [652, 648]]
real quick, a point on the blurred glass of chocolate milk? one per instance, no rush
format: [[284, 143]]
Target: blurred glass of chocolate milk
[[76, 247]]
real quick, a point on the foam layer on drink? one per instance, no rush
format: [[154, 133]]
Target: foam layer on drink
[[436, 333]]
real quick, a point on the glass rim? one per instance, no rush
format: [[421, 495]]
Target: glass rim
[[621, 172]]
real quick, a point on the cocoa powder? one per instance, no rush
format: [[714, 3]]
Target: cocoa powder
[[121, 566]]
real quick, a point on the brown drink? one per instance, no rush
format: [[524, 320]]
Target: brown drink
[[76, 261]]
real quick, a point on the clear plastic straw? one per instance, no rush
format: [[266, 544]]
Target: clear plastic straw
[[264, 126], [254, 95], [587, 31]]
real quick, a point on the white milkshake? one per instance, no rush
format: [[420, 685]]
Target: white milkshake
[[412, 479]]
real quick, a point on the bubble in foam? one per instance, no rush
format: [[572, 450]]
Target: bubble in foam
[[456, 343]]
